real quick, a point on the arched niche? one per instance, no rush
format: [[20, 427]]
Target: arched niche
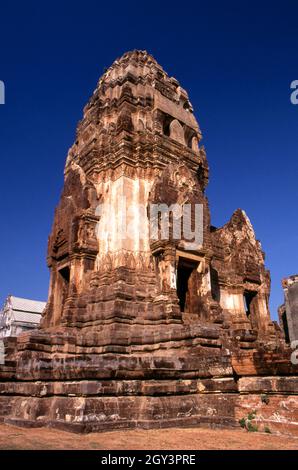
[[177, 132]]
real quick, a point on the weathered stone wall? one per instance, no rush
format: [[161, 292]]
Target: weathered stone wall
[[1, 351], [288, 313]]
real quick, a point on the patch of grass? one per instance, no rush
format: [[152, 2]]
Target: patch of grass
[[242, 422], [251, 415], [247, 424], [267, 430], [95, 445], [251, 427]]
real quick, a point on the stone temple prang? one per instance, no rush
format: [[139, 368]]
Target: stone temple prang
[[142, 332]]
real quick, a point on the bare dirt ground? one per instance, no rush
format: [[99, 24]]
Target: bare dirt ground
[[156, 439]]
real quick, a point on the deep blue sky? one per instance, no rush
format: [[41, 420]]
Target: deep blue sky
[[236, 59]]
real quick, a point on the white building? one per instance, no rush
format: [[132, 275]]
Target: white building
[[19, 315]]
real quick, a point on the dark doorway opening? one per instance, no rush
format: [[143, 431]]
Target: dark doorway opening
[[64, 277], [183, 275], [248, 296], [61, 291], [215, 289], [187, 285], [285, 326]]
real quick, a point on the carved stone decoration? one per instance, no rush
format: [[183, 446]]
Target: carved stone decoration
[[177, 132], [140, 330], [194, 144]]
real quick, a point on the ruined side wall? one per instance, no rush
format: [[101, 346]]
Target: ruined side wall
[[243, 282], [290, 311]]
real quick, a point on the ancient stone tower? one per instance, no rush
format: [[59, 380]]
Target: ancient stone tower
[[144, 329]]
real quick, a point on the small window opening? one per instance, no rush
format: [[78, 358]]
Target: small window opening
[[65, 273], [248, 297]]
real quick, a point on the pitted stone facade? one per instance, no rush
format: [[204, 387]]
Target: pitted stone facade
[[140, 331]]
